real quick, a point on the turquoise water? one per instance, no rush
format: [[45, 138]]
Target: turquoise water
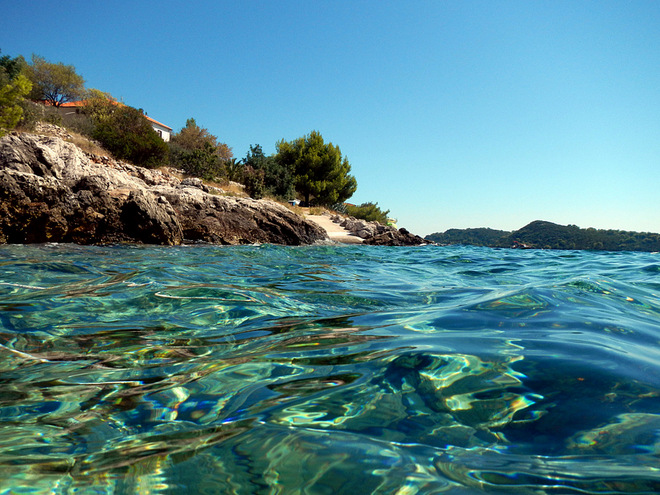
[[328, 370]]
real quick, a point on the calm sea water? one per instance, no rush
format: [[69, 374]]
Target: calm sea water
[[328, 370]]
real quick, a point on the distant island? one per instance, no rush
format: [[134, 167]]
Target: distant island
[[547, 235]]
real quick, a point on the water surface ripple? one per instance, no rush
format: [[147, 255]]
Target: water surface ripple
[[328, 370]]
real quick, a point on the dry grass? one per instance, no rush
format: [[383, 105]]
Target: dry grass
[[313, 210], [84, 143], [88, 145], [296, 209], [316, 210], [230, 188]]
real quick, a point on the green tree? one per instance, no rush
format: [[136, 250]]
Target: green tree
[[128, 135], [11, 96], [198, 152], [234, 169], [10, 68], [99, 105], [194, 137], [321, 174], [253, 180], [369, 212], [95, 107], [203, 162], [14, 87], [54, 83], [278, 178]]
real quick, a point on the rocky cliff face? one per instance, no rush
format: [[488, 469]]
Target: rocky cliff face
[[51, 191]]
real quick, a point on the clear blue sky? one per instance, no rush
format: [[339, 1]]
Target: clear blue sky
[[453, 114]]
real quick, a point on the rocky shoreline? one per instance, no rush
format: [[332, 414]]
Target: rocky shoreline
[[52, 191], [376, 234]]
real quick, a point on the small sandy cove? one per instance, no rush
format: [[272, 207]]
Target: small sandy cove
[[335, 232]]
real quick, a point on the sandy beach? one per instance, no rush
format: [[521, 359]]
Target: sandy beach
[[335, 231]]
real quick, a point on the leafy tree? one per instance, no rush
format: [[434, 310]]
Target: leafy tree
[[54, 83], [96, 106], [278, 178], [14, 87], [128, 135], [11, 96], [198, 152], [369, 212], [203, 162], [99, 105], [253, 180], [10, 68], [194, 137], [321, 174]]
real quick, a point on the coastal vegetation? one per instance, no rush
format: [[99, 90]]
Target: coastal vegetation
[[54, 83], [306, 169], [369, 212], [547, 235], [266, 176], [129, 136], [14, 87], [198, 153], [321, 174]]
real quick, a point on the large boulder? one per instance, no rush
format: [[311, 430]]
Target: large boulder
[[51, 191], [395, 237]]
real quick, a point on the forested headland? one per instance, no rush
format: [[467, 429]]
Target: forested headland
[[547, 235]]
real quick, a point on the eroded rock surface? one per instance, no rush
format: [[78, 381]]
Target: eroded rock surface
[[51, 191]]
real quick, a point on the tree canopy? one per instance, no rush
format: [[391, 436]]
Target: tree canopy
[[11, 95], [10, 68], [196, 151], [194, 137], [369, 212], [128, 135], [277, 178], [321, 174], [54, 83], [99, 105], [14, 87]]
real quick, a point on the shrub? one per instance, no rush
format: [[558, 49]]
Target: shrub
[[369, 212], [204, 163], [234, 169], [277, 178], [254, 182], [128, 135]]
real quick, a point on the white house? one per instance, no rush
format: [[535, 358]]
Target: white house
[[165, 132]]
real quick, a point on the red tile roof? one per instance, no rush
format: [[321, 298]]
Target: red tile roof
[[78, 104], [158, 123]]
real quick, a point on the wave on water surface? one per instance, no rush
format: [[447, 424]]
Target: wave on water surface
[[328, 369]]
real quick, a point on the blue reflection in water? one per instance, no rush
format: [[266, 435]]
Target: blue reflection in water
[[328, 369]]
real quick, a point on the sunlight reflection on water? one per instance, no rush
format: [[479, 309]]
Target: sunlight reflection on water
[[327, 370]]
